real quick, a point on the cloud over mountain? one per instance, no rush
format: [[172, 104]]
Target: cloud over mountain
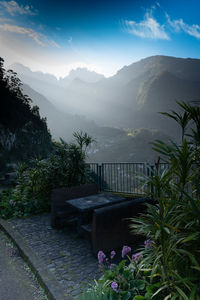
[[13, 8], [39, 38], [147, 28], [181, 26]]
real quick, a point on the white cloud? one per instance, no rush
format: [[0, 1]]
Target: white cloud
[[147, 28], [14, 8], [39, 38], [180, 25], [3, 20]]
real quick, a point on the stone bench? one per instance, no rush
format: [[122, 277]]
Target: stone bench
[[61, 212], [110, 225]]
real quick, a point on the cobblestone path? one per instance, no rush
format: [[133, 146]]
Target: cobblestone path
[[69, 257]]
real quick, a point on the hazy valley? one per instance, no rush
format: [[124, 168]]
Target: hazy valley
[[120, 112]]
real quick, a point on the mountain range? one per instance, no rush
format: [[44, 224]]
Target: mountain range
[[130, 99]]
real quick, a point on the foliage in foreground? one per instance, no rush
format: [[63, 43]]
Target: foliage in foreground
[[168, 266], [173, 222], [127, 280], [63, 168]]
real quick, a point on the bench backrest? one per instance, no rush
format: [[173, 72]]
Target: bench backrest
[[61, 195], [110, 227], [59, 204]]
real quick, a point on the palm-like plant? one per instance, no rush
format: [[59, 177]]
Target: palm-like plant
[[173, 222], [83, 140], [182, 120]]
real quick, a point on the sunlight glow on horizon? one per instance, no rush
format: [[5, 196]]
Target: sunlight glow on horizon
[[56, 38], [61, 71]]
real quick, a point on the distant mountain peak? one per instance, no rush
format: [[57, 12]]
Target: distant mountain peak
[[19, 67], [83, 74], [24, 71]]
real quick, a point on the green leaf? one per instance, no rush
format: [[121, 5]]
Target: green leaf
[[139, 284], [194, 292], [138, 297], [181, 293], [168, 297], [175, 296], [196, 268], [193, 236], [158, 291], [157, 234], [167, 230], [148, 296]]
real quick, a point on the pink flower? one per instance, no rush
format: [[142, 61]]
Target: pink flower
[[137, 257], [114, 286], [149, 244], [125, 250], [101, 257], [112, 254], [12, 203]]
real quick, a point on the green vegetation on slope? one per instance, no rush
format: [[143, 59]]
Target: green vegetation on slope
[[23, 133]]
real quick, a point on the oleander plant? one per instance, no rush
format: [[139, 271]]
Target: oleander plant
[[173, 222], [167, 266]]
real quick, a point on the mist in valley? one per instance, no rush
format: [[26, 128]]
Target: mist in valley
[[120, 112]]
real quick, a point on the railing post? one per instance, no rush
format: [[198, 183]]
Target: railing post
[[96, 170], [151, 174], [102, 177], [99, 177]]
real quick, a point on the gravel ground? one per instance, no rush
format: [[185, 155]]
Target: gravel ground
[[17, 282]]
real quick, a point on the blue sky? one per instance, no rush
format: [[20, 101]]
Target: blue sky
[[56, 36]]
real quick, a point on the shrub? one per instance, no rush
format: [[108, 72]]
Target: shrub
[[65, 167], [173, 222], [169, 266]]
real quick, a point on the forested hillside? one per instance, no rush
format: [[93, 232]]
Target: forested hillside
[[23, 133]]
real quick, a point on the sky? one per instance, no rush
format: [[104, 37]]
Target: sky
[[103, 36]]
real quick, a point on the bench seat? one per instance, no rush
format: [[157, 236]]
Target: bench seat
[[110, 225], [61, 212]]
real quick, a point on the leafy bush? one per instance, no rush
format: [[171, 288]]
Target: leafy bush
[[169, 266], [65, 167], [12, 206], [173, 222]]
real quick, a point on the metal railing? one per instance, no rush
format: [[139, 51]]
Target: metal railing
[[120, 177], [125, 177]]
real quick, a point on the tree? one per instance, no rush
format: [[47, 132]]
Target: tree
[[83, 140]]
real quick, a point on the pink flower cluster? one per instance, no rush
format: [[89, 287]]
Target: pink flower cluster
[[125, 250], [114, 286], [137, 257], [102, 257], [104, 261], [149, 244]]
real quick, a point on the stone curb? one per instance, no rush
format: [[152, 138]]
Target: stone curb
[[47, 280]]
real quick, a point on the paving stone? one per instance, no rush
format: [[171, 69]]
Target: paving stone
[[66, 255]]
